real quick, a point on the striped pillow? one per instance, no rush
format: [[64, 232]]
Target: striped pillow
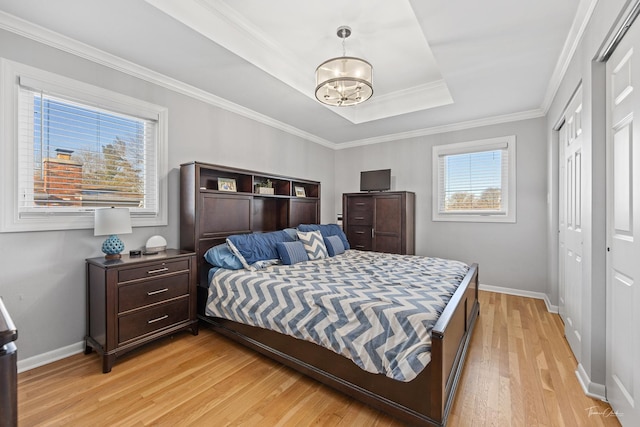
[[292, 252], [313, 244], [334, 245]]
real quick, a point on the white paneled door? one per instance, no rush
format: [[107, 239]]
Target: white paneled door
[[623, 235], [570, 222]]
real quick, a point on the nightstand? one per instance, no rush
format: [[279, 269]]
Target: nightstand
[[134, 300]]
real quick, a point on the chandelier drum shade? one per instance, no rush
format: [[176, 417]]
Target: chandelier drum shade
[[345, 80]]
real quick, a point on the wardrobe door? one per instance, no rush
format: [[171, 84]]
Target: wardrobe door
[[387, 224]]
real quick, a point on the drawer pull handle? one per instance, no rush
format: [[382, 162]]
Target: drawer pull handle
[[160, 270], [359, 232], [360, 204], [159, 291], [359, 246], [359, 217], [158, 319]]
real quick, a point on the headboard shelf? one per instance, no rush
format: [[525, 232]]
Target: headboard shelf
[[210, 209]]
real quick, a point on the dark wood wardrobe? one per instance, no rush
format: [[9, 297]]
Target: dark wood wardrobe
[[381, 222]]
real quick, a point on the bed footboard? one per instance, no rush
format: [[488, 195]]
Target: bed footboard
[[450, 338]]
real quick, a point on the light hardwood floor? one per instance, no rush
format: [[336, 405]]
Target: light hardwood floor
[[519, 372]]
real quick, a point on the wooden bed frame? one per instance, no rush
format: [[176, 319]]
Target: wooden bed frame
[[426, 400]]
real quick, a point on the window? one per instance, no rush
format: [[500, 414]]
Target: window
[[475, 181], [70, 147]]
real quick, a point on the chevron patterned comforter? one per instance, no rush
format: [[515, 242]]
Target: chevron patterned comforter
[[376, 309]]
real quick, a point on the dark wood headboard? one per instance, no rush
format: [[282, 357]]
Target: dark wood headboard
[[209, 214]]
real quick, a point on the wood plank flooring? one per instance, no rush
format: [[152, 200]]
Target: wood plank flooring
[[519, 372]]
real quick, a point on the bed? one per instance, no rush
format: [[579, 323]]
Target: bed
[[421, 399]]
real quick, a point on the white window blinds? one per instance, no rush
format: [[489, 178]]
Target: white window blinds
[[70, 147], [475, 179], [76, 155]]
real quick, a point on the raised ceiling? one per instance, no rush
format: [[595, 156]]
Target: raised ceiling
[[438, 65]]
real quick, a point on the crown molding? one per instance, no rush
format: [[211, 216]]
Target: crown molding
[[525, 115], [50, 38], [221, 23], [417, 98], [578, 27]]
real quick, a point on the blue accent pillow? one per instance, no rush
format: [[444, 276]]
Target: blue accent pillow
[[221, 256], [327, 230], [291, 232], [334, 245], [292, 252], [257, 250], [313, 244]]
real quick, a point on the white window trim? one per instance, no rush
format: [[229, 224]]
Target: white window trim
[[473, 146], [10, 220]]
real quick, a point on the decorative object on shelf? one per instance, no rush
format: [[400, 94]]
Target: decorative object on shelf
[[154, 245], [300, 192], [265, 187], [112, 221], [227, 184], [345, 80]]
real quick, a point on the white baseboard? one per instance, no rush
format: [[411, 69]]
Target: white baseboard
[[591, 389], [50, 356], [550, 307], [521, 293]]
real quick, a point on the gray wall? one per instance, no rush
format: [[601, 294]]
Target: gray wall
[[43, 276], [509, 255]]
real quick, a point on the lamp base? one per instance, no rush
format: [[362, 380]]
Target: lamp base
[[112, 247]]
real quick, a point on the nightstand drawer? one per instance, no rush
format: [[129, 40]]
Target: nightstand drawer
[[152, 270], [136, 324], [152, 291]]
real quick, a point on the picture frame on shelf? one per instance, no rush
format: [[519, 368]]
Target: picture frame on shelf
[[227, 184], [300, 192]]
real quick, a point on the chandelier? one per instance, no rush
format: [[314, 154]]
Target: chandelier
[[345, 80]]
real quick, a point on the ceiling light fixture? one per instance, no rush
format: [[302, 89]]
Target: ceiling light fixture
[[345, 80]]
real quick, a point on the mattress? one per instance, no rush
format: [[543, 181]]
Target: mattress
[[373, 308]]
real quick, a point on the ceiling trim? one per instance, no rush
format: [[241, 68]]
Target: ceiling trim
[[47, 37], [222, 24], [403, 101], [50, 38], [578, 27], [525, 115]]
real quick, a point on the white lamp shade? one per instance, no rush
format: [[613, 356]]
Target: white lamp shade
[[110, 221]]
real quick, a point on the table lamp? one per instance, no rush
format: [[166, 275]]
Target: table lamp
[[112, 221]]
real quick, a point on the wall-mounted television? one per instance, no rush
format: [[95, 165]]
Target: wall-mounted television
[[379, 180]]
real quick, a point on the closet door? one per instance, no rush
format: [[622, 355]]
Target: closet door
[[623, 233], [570, 223]]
